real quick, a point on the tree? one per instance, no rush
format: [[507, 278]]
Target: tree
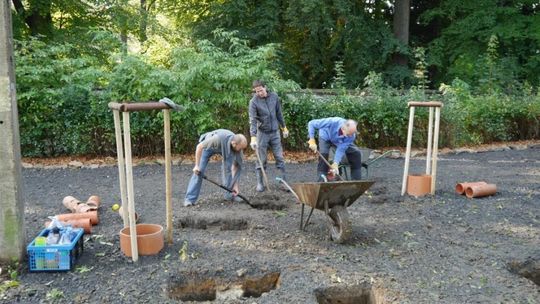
[[401, 28], [37, 16]]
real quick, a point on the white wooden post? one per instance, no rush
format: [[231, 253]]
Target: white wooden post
[[435, 149], [130, 190], [121, 166], [429, 141], [168, 179], [408, 150]]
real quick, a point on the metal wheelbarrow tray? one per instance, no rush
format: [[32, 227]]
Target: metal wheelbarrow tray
[[333, 198]]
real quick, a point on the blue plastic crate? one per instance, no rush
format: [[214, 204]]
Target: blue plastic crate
[[55, 257]]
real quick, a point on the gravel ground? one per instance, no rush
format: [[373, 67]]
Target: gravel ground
[[441, 249]]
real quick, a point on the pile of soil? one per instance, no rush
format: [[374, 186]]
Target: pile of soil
[[435, 249]]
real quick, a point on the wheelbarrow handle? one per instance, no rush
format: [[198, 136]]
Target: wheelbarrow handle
[[281, 180], [227, 189]]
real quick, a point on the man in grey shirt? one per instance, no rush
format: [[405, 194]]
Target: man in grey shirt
[[265, 119], [229, 146]]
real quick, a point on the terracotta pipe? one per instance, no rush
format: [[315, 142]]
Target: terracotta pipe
[[481, 190], [71, 203], [94, 201], [76, 206], [77, 223], [92, 215], [461, 187]]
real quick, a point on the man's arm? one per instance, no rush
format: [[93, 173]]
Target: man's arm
[[317, 124], [341, 148], [279, 114], [198, 153], [252, 117]]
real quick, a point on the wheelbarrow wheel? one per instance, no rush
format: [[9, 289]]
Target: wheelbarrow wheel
[[341, 228]]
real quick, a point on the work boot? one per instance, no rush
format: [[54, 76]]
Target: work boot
[[260, 182]]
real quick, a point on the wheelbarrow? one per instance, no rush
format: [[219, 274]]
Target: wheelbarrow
[[333, 198]]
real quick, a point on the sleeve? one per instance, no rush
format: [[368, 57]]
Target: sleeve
[[317, 124], [340, 151], [279, 114], [252, 117], [228, 179], [211, 141], [341, 148]]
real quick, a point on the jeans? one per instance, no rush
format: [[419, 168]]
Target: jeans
[[353, 155], [264, 140], [195, 183]]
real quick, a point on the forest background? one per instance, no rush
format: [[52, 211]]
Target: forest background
[[356, 59]]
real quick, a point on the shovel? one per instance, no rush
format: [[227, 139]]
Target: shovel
[[262, 169], [227, 189], [328, 164]]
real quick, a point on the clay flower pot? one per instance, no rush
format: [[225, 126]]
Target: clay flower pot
[[94, 201], [83, 223], [481, 190], [92, 215], [418, 184], [149, 239], [461, 187]]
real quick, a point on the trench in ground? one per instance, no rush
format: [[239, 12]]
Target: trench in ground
[[529, 269], [352, 294], [218, 223], [194, 286]]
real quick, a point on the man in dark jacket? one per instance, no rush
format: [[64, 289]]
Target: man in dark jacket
[[229, 146], [265, 120]]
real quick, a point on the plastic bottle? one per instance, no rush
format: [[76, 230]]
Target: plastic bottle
[[54, 236]]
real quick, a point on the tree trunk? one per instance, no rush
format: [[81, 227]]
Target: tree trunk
[[402, 14], [143, 22], [38, 18]]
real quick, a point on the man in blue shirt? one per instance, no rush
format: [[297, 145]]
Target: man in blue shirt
[[229, 146], [341, 133]]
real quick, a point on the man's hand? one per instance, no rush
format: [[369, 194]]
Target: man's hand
[[334, 168], [312, 145], [285, 132], [253, 142], [196, 170]]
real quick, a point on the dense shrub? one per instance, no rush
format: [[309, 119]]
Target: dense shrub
[[383, 115], [63, 95]]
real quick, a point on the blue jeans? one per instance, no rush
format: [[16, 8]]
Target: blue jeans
[[195, 183]]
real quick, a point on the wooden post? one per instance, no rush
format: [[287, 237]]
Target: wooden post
[[168, 179], [429, 141], [435, 149], [121, 166], [408, 150], [130, 194]]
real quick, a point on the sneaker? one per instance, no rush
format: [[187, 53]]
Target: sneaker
[[188, 203]]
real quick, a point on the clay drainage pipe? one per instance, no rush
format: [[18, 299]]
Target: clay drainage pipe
[[83, 223], [461, 187], [481, 190], [92, 215]]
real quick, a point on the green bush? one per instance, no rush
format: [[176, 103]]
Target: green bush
[[63, 95], [383, 116]]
